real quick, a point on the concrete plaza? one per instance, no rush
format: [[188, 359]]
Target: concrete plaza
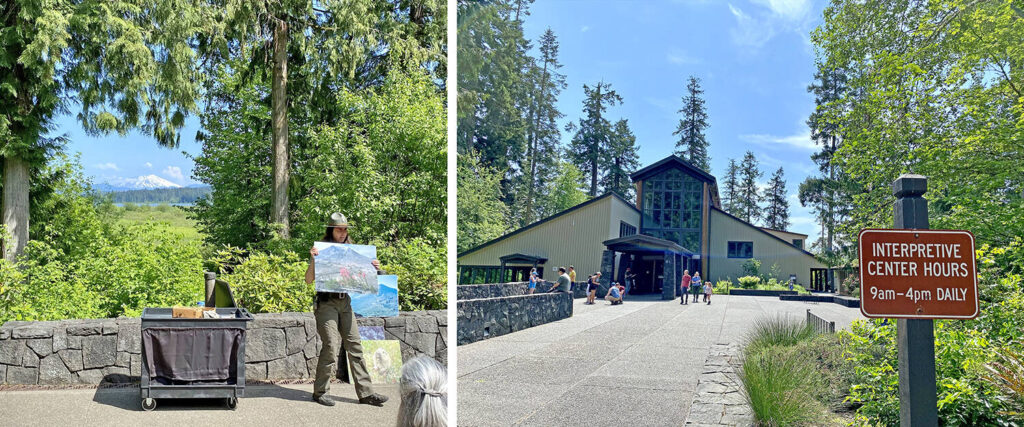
[[263, 405], [634, 364]]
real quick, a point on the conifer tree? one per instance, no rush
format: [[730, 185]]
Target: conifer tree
[[749, 195], [692, 145], [622, 161], [731, 188], [777, 211], [589, 146]]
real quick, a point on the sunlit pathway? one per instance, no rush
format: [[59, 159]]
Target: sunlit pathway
[[634, 364]]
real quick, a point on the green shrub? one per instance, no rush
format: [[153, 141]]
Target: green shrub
[[422, 271], [749, 282], [1007, 375], [781, 387], [41, 288], [752, 267], [722, 287], [266, 283], [778, 330]]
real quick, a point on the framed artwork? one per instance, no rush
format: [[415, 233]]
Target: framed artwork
[[383, 360], [383, 303], [345, 268]]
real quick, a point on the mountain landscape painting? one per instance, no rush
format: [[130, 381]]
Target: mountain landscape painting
[[345, 268], [382, 304]]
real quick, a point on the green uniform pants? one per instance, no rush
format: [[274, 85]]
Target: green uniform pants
[[336, 324]]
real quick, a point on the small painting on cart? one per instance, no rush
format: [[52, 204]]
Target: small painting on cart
[[345, 268]]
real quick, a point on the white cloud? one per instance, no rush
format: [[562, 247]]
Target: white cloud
[[678, 57], [749, 31], [174, 172], [107, 166], [584, 28], [149, 165], [801, 140], [802, 220], [793, 10]]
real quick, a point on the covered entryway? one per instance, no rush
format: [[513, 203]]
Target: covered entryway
[[516, 267], [657, 263]]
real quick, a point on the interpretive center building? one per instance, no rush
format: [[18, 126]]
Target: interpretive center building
[[677, 223]]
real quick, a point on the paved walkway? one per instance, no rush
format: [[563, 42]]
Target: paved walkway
[[263, 405], [634, 364]]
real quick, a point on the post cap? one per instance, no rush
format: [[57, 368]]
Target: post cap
[[209, 275], [909, 185]]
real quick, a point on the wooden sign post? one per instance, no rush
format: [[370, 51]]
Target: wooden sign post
[[916, 275]]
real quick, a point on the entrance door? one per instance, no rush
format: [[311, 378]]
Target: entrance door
[[649, 276]]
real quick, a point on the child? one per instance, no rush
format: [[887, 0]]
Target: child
[[707, 292]]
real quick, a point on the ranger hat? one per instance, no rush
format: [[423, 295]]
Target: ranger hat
[[338, 220]]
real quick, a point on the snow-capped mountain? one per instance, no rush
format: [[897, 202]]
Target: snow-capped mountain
[[145, 182]]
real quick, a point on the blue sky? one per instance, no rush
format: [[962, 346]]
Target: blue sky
[[112, 157], [754, 58]]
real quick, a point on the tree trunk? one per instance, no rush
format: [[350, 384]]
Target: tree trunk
[[279, 129], [15, 206]]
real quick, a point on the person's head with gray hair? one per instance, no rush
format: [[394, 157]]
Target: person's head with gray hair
[[424, 389]]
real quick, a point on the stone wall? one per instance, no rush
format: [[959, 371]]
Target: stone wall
[[490, 317], [498, 290], [278, 346]]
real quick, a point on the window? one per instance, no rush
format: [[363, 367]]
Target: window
[[741, 249], [798, 243], [672, 202], [626, 229]]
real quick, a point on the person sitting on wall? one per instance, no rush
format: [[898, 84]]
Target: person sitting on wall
[[592, 284], [563, 283], [614, 294]]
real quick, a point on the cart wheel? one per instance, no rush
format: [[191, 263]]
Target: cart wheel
[[149, 404], [232, 403]]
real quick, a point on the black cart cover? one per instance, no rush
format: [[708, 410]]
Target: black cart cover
[[192, 354]]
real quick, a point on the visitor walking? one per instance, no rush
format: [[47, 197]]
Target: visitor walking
[[707, 292], [695, 286], [592, 284], [614, 294], [684, 287], [572, 274], [533, 281], [630, 277], [336, 325]]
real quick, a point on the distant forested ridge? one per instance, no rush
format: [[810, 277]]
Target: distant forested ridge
[[160, 195]]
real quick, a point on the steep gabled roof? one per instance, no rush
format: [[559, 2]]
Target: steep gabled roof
[[669, 161]]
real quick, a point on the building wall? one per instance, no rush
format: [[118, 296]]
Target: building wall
[[767, 249], [571, 239], [787, 236]]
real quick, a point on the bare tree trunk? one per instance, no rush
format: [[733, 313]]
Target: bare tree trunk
[[279, 128], [15, 206]]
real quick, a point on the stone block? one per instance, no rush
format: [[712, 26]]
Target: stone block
[[12, 351], [311, 367], [276, 320], [60, 338], [397, 333], [5, 333], [32, 331], [90, 376], [393, 322], [85, 328], [20, 375], [53, 371], [424, 323], [291, 367], [30, 359], [309, 324], [109, 328], [75, 342], [256, 371], [370, 321], [422, 342], [3, 374], [42, 346], [442, 318], [443, 333], [124, 359], [296, 339], [72, 359], [99, 351], [129, 339], [310, 349], [265, 344], [135, 365]]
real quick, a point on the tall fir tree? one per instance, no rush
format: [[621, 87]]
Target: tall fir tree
[[540, 163], [622, 161], [564, 191], [480, 210], [731, 188], [692, 144], [825, 193], [589, 146], [777, 211], [749, 195]]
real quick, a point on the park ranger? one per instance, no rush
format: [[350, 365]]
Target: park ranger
[[336, 325]]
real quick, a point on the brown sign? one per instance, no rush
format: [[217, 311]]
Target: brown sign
[[920, 274]]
